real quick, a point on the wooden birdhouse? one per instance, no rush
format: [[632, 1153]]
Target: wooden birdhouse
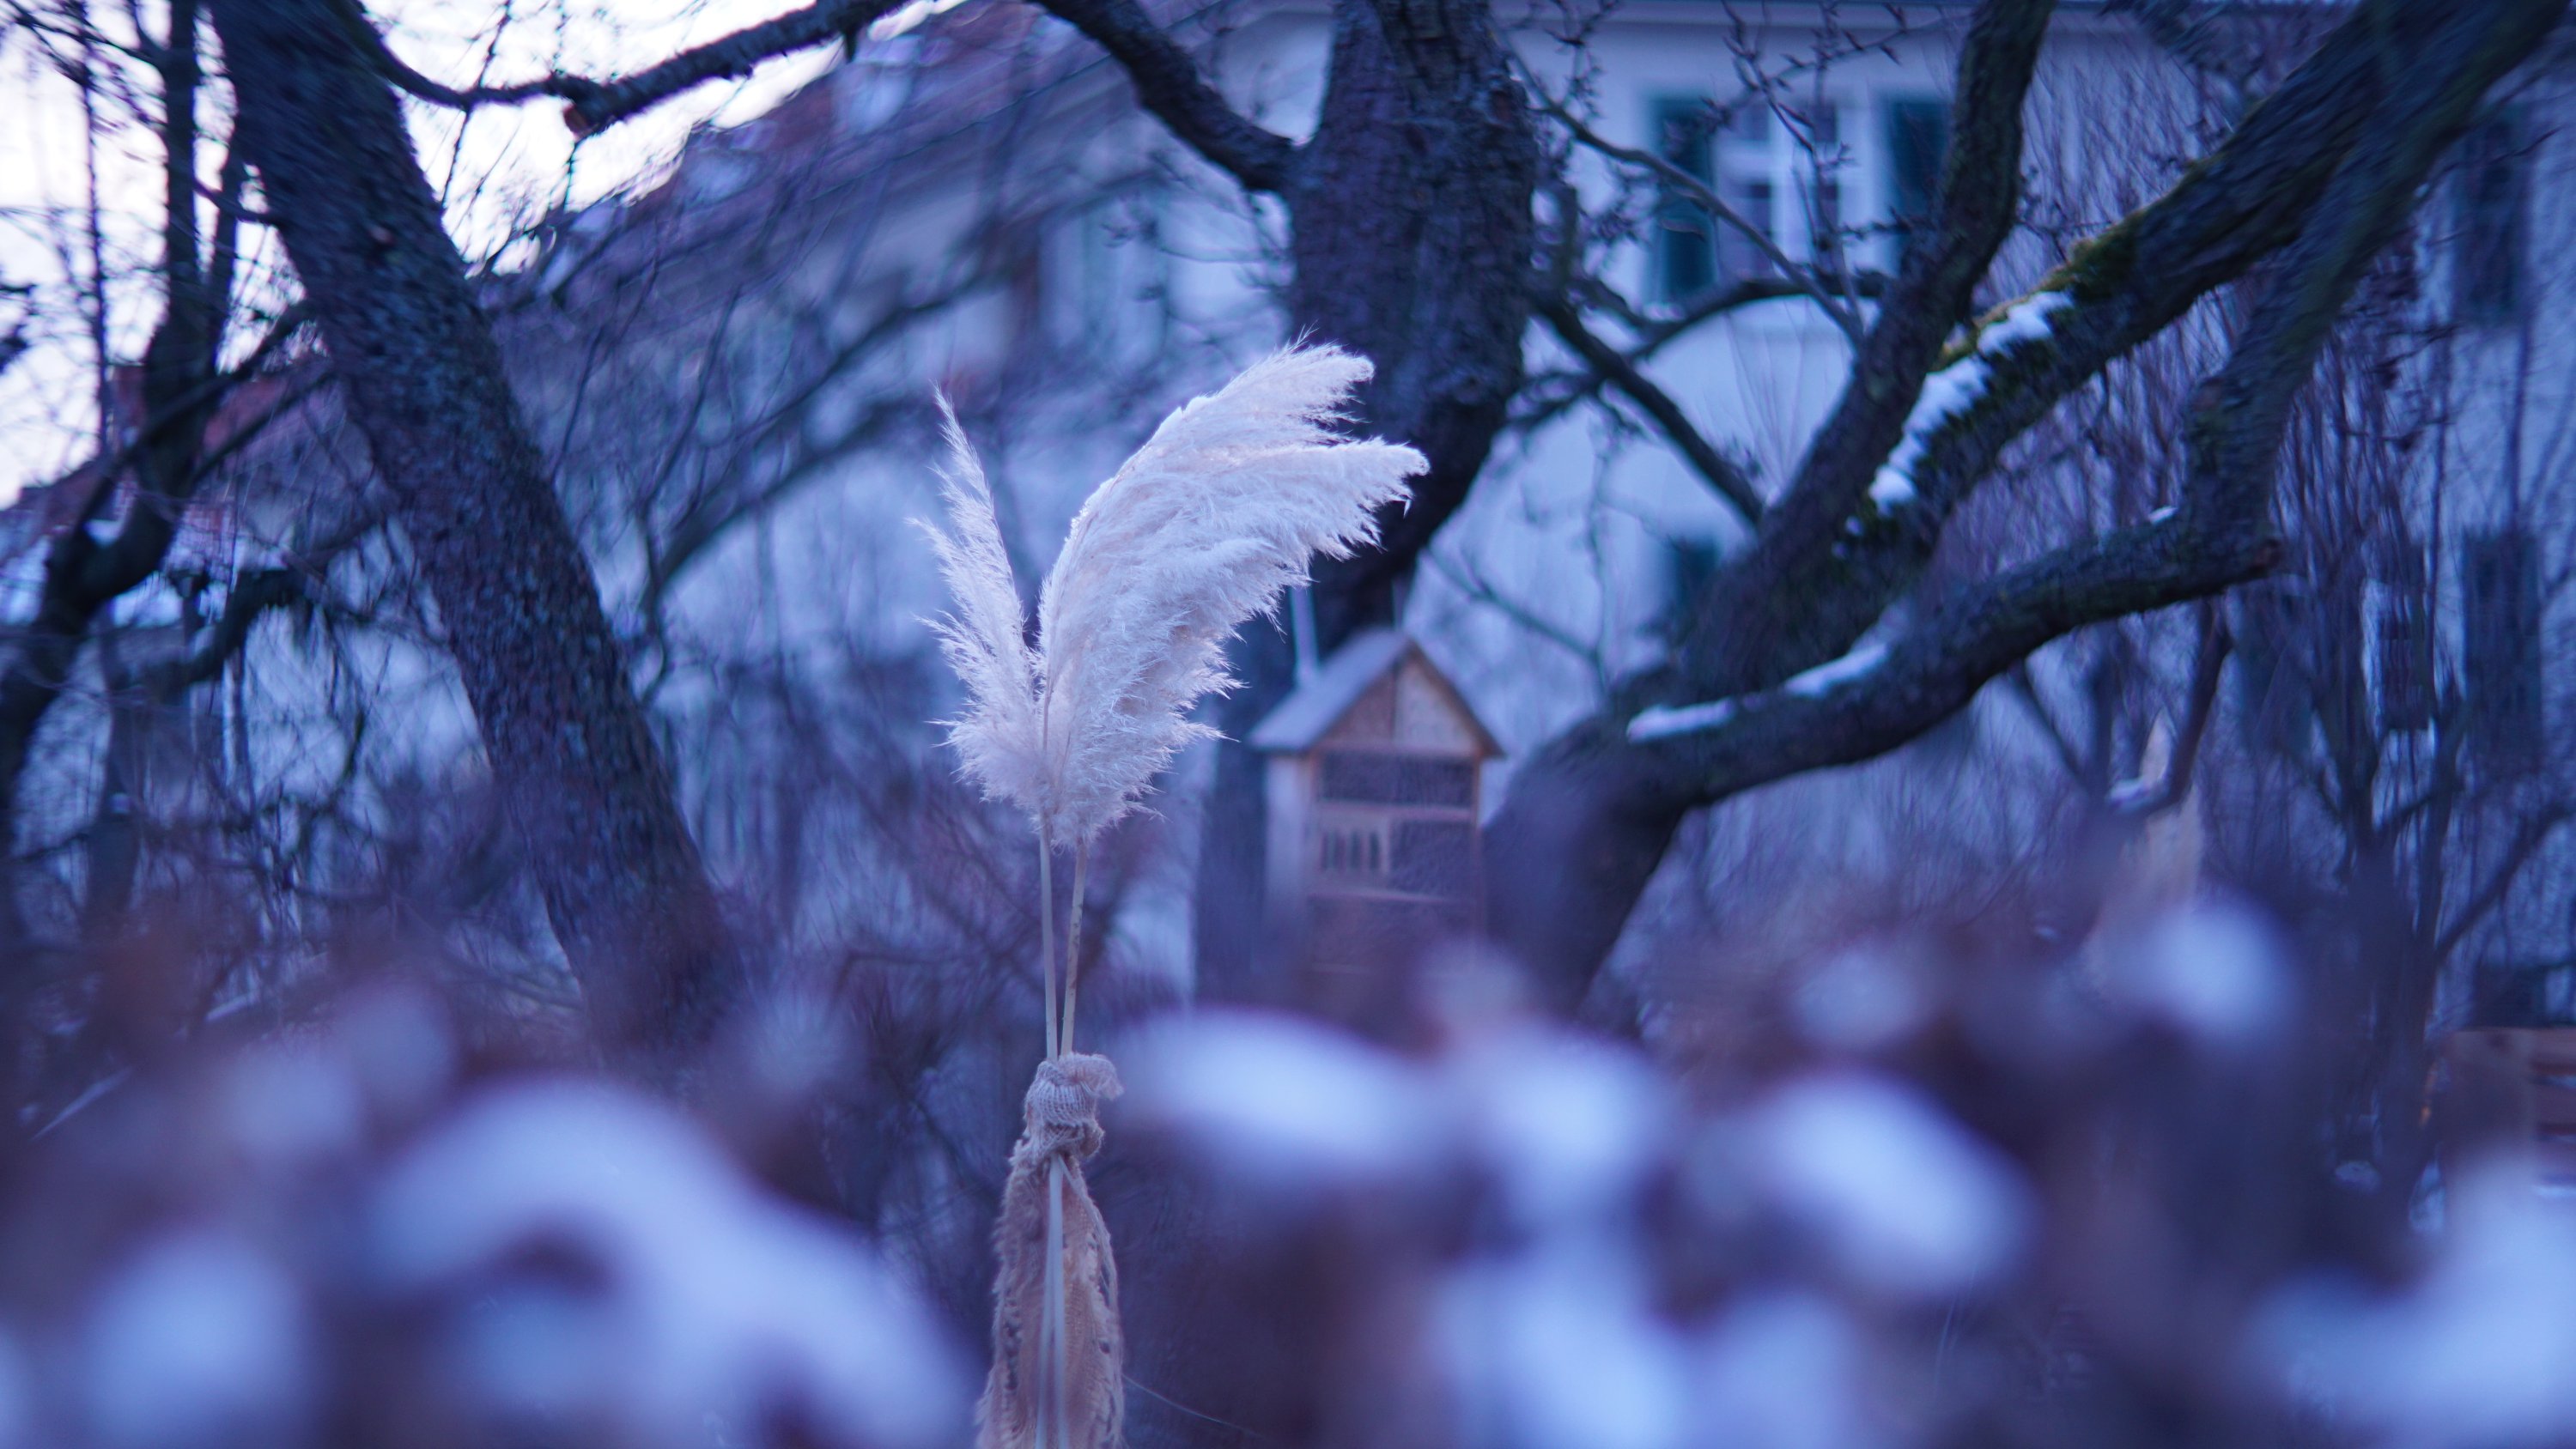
[[1375, 788]]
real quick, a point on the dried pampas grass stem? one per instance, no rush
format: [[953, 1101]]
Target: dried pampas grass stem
[[1221, 512]]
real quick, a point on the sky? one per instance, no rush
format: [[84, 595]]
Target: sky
[[502, 167]]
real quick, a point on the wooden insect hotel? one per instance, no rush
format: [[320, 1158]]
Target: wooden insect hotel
[[1375, 788]]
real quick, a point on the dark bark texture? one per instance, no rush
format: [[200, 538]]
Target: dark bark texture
[[568, 744]]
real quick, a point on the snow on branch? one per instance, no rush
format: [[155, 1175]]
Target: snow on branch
[[1664, 722], [1833, 674], [1953, 390]]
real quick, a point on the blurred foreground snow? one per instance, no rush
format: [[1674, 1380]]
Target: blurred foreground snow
[[312, 1241], [1942, 1199], [1579, 1250]]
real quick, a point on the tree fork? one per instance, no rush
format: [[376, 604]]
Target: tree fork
[[2322, 173]]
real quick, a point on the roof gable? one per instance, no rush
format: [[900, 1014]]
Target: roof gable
[[1356, 672]]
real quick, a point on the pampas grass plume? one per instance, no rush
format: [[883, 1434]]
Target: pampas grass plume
[[985, 638], [1206, 526]]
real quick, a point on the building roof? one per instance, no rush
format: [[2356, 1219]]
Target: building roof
[[254, 413], [1316, 705]]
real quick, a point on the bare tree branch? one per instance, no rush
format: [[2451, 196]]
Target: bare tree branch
[[2112, 294], [1932, 668], [1978, 203], [1169, 85], [594, 105], [2220, 533], [181, 391], [1720, 472], [2529, 835], [1803, 281], [251, 597], [570, 748], [2208, 665]]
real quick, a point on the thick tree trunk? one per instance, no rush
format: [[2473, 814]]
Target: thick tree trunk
[[1582, 833], [1411, 236], [1412, 244], [568, 744]]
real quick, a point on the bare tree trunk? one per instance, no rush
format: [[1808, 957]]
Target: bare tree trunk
[[1412, 242], [569, 745]]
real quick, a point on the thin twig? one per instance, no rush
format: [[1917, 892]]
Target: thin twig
[[1720, 472], [1700, 194], [1149, 1391]]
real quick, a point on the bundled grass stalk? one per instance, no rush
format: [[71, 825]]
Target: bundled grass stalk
[[1073, 948], [1221, 511], [1046, 940]]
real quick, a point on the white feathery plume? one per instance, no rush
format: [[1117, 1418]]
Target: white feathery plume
[[985, 638], [1217, 515], [1206, 526]]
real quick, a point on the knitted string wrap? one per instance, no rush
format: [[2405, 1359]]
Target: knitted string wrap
[[1062, 1110], [1060, 1128]]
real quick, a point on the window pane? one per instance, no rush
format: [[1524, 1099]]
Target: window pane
[[2519, 993], [1739, 257], [1918, 133], [2487, 230], [2405, 664], [1685, 247], [2501, 587], [1689, 566], [2401, 631]]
